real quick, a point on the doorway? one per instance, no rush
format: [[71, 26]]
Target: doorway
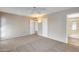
[[34, 27], [45, 27], [73, 29]]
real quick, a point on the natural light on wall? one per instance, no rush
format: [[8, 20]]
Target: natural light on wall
[[3, 27]]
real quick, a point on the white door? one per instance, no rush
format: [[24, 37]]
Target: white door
[[36, 27], [45, 27], [32, 28]]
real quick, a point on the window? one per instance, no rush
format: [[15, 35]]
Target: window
[[74, 26]]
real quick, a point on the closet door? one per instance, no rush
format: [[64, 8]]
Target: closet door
[[32, 27], [45, 27]]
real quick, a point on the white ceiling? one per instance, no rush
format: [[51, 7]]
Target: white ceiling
[[25, 11]]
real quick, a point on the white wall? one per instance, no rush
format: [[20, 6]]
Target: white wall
[[13, 26], [57, 24], [57, 27]]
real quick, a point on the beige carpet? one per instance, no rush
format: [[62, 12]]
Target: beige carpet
[[35, 43]]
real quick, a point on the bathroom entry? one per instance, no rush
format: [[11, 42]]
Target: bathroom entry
[[73, 29]]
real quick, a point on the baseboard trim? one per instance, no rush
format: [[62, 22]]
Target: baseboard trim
[[2, 39], [51, 38]]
